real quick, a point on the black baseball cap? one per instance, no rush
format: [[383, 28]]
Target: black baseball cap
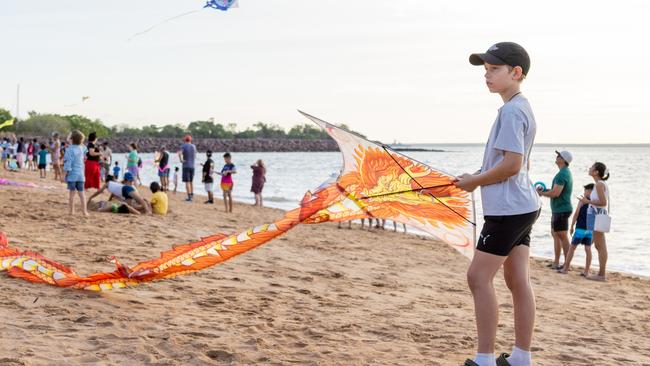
[[503, 53]]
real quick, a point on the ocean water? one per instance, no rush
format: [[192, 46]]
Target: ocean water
[[291, 174]]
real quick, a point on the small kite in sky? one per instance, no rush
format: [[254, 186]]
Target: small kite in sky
[[223, 5], [7, 123], [83, 99]]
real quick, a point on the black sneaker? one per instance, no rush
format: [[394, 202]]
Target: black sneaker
[[503, 360]]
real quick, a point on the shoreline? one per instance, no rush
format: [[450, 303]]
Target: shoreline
[[357, 226]]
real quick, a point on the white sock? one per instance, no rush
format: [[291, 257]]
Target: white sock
[[519, 357], [485, 359]]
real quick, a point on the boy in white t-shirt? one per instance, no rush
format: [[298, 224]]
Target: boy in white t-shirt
[[510, 207]]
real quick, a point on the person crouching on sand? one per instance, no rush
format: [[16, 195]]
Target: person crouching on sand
[[123, 192], [159, 202]]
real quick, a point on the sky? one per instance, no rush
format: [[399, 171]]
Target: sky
[[396, 71]]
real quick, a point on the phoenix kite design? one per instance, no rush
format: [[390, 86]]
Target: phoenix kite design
[[375, 182]]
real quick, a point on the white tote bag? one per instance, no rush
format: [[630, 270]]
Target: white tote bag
[[603, 222]]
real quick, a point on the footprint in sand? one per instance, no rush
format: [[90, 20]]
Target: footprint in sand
[[221, 356]]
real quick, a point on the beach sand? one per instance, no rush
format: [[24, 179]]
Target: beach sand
[[318, 295]]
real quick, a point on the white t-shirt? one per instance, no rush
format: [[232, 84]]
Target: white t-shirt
[[514, 131], [115, 188]]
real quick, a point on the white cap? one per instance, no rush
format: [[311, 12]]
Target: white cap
[[567, 156]]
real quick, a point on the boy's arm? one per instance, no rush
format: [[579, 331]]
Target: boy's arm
[[575, 216], [97, 193], [509, 166]]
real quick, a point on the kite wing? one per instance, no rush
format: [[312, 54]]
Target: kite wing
[[377, 182], [221, 4]]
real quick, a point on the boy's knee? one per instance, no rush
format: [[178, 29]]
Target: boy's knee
[[516, 283], [476, 281]]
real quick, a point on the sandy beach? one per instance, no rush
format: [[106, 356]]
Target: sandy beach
[[318, 295]]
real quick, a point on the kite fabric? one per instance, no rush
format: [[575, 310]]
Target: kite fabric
[[375, 182], [7, 123], [6, 182], [221, 4]]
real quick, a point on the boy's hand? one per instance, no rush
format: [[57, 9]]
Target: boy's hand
[[572, 230], [466, 182]]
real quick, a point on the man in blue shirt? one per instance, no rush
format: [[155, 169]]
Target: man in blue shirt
[[187, 155]]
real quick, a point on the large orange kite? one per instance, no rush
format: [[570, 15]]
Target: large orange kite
[[375, 182]]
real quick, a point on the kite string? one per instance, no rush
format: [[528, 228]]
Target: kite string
[[421, 186], [162, 22]]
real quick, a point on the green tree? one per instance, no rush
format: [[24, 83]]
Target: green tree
[[5, 115], [269, 131], [176, 130], [43, 124], [307, 132], [86, 125]]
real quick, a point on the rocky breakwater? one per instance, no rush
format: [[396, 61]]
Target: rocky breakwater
[[120, 145]]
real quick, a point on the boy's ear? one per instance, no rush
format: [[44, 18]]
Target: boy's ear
[[518, 73]]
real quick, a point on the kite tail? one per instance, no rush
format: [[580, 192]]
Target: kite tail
[[162, 22], [182, 259]]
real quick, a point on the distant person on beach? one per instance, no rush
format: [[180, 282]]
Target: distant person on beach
[[395, 226], [226, 181], [510, 208], [159, 201], [73, 165], [93, 157], [20, 153], [29, 149], [208, 181], [340, 224], [124, 192], [581, 235], [5, 152], [12, 164], [259, 178], [36, 148], [187, 156], [561, 208], [163, 168], [107, 159], [175, 179], [598, 204], [137, 176], [132, 160], [55, 152], [116, 170], [42, 161]]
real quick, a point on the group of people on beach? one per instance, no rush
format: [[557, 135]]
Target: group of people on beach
[[187, 156], [584, 227], [93, 165]]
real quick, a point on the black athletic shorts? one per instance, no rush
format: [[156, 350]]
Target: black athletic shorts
[[560, 221], [502, 233], [188, 174]]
